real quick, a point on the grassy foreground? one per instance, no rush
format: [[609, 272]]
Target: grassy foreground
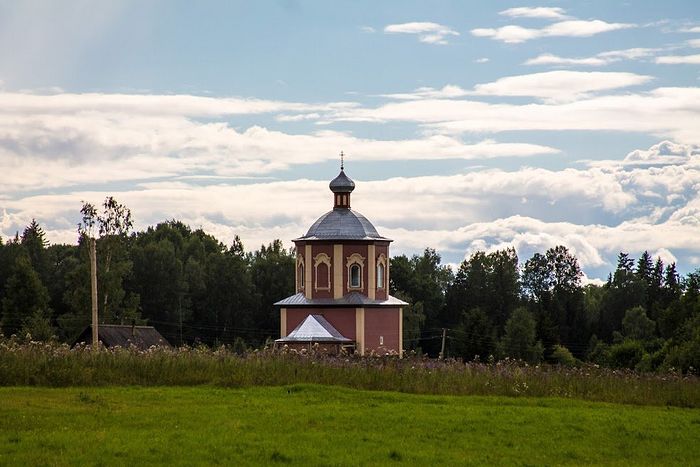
[[328, 425], [38, 364]]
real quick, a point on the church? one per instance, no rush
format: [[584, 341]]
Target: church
[[342, 284]]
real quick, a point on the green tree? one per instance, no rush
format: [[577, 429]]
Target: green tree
[[272, 270], [159, 281], [520, 340], [113, 262], [552, 284], [35, 244], [25, 296], [684, 349], [624, 291], [475, 336], [636, 325], [425, 280], [503, 284], [413, 320]]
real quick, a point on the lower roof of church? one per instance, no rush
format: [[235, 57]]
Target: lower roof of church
[[353, 299]]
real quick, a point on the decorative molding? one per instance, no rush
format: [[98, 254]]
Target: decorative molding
[[356, 258], [381, 260], [359, 260], [308, 277], [300, 277]]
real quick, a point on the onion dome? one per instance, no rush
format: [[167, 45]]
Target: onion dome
[[342, 183]]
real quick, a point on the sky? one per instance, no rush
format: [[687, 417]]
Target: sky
[[466, 125]]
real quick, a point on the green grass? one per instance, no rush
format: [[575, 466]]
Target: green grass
[[37, 364], [330, 425]]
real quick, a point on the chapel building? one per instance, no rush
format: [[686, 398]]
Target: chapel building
[[342, 284]]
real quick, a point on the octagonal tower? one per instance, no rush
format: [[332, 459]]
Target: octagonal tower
[[342, 274]]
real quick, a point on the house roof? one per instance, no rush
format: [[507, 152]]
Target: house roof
[[315, 328], [342, 224], [351, 299], [124, 335]]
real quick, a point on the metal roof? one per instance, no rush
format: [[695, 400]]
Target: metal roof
[[351, 299], [342, 183], [315, 328], [342, 224]]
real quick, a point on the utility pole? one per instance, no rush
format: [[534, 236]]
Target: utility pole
[[442, 350], [93, 287]]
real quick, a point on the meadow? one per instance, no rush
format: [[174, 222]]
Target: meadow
[[56, 365], [330, 425], [68, 406]]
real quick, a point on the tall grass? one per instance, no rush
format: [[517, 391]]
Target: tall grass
[[55, 365]]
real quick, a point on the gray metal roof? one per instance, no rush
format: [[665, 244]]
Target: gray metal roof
[[342, 183], [342, 224], [351, 299], [315, 328]]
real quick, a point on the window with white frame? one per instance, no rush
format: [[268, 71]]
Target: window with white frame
[[355, 264], [381, 272]]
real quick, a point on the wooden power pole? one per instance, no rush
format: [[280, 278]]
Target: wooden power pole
[[93, 287], [442, 349]]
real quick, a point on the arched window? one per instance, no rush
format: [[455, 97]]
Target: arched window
[[380, 276], [355, 276], [355, 264], [300, 273], [322, 268], [381, 272]]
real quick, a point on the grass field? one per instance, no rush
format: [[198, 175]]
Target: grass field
[[329, 425], [53, 365]]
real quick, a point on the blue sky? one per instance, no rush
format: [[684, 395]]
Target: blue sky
[[467, 125]]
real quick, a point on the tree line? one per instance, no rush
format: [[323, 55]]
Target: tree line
[[195, 289], [644, 317]]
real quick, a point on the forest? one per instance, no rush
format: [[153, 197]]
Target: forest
[[197, 290]]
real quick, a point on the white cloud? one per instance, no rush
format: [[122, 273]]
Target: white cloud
[[679, 59], [663, 112], [481, 60], [448, 91], [603, 58], [666, 256], [368, 29], [56, 144], [572, 28], [535, 12], [692, 42], [550, 59], [549, 86], [456, 213], [559, 85], [692, 29], [150, 104], [430, 33], [663, 153]]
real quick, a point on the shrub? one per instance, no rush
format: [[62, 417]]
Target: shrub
[[626, 354], [562, 356]]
